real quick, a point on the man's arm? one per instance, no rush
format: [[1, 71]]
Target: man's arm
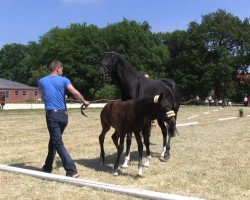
[[77, 95]]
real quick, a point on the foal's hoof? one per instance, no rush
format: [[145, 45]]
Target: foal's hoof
[[146, 164], [115, 173], [125, 165], [103, 164], [166, 156], [139, 176]]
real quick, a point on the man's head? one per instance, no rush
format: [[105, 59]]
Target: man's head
[[56, 67]]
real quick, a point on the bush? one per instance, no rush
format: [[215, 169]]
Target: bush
[[107, 92]]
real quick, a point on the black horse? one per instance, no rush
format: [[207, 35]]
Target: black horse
[[134, 85]]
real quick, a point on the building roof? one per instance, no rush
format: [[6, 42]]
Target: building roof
[[12, 85]]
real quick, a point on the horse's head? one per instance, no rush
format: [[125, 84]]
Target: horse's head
[[108, 64], [165, 111]]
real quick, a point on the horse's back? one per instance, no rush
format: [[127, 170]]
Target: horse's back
[[116, 113], [175, 88], [153, 87]]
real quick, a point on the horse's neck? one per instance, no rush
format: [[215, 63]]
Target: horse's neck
[[127, 77]]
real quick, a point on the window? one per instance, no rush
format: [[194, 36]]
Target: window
[[16, 93], [7, 94], [36, 93], [24, 92]]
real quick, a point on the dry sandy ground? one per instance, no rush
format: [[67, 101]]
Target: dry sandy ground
[[209, 160]]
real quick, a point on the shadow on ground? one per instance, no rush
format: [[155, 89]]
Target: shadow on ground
[[25, 166], [92, 163], [96, 163]]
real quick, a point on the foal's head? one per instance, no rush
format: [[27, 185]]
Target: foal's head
[[165, 112], [108, 64]]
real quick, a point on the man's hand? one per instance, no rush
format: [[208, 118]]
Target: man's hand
[[86, 103]]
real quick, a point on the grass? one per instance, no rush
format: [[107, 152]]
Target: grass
[[210, 160]]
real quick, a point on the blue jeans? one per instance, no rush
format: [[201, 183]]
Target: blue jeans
[[56, 122]]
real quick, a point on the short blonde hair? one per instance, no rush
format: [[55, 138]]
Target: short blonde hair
[[54, 64]]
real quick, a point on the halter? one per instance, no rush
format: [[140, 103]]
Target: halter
[[110, 52], [170, 114], [109, 66]]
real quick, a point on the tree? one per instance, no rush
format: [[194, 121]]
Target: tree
[[137, 44], [226, 39], [79, 47], [11, 56], [208, 55]]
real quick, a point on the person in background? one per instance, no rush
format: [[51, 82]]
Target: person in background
[[197, 100], [245, 100], [146, 75], [2, 100], [53, 88]]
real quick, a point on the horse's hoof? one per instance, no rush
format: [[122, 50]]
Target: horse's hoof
[[166, 156], [163, 159]]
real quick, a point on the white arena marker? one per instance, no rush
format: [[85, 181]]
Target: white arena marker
[[193, 116], [93, 184], [205, 113], [215, 110], [188, 124], [227, 118], [248, 115]]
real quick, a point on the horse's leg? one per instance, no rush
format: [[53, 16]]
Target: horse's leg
[[119, 152], [146, 136], [140, 150], [127, 157], [105, 129], [166, 139]]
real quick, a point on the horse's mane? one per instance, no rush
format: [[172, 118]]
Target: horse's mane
[[128, 65]]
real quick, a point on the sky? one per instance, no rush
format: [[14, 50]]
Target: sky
[[22, 21]]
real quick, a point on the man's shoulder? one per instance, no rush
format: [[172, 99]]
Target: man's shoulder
[[43, 79], [53, 77]]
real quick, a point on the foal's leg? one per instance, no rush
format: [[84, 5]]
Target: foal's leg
[[166, 139], [140, 150], [105, 129], [127, 157], [146, 136], [115, 138], [119, 152]]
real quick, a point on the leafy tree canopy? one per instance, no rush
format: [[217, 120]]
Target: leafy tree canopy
[[207, 56]]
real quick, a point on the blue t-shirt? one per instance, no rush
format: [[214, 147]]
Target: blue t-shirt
[[53, 90]]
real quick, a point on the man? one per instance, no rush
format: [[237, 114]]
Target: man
[[53, 89]]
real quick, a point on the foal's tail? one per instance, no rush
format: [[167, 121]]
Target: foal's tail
[[173, 131]]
